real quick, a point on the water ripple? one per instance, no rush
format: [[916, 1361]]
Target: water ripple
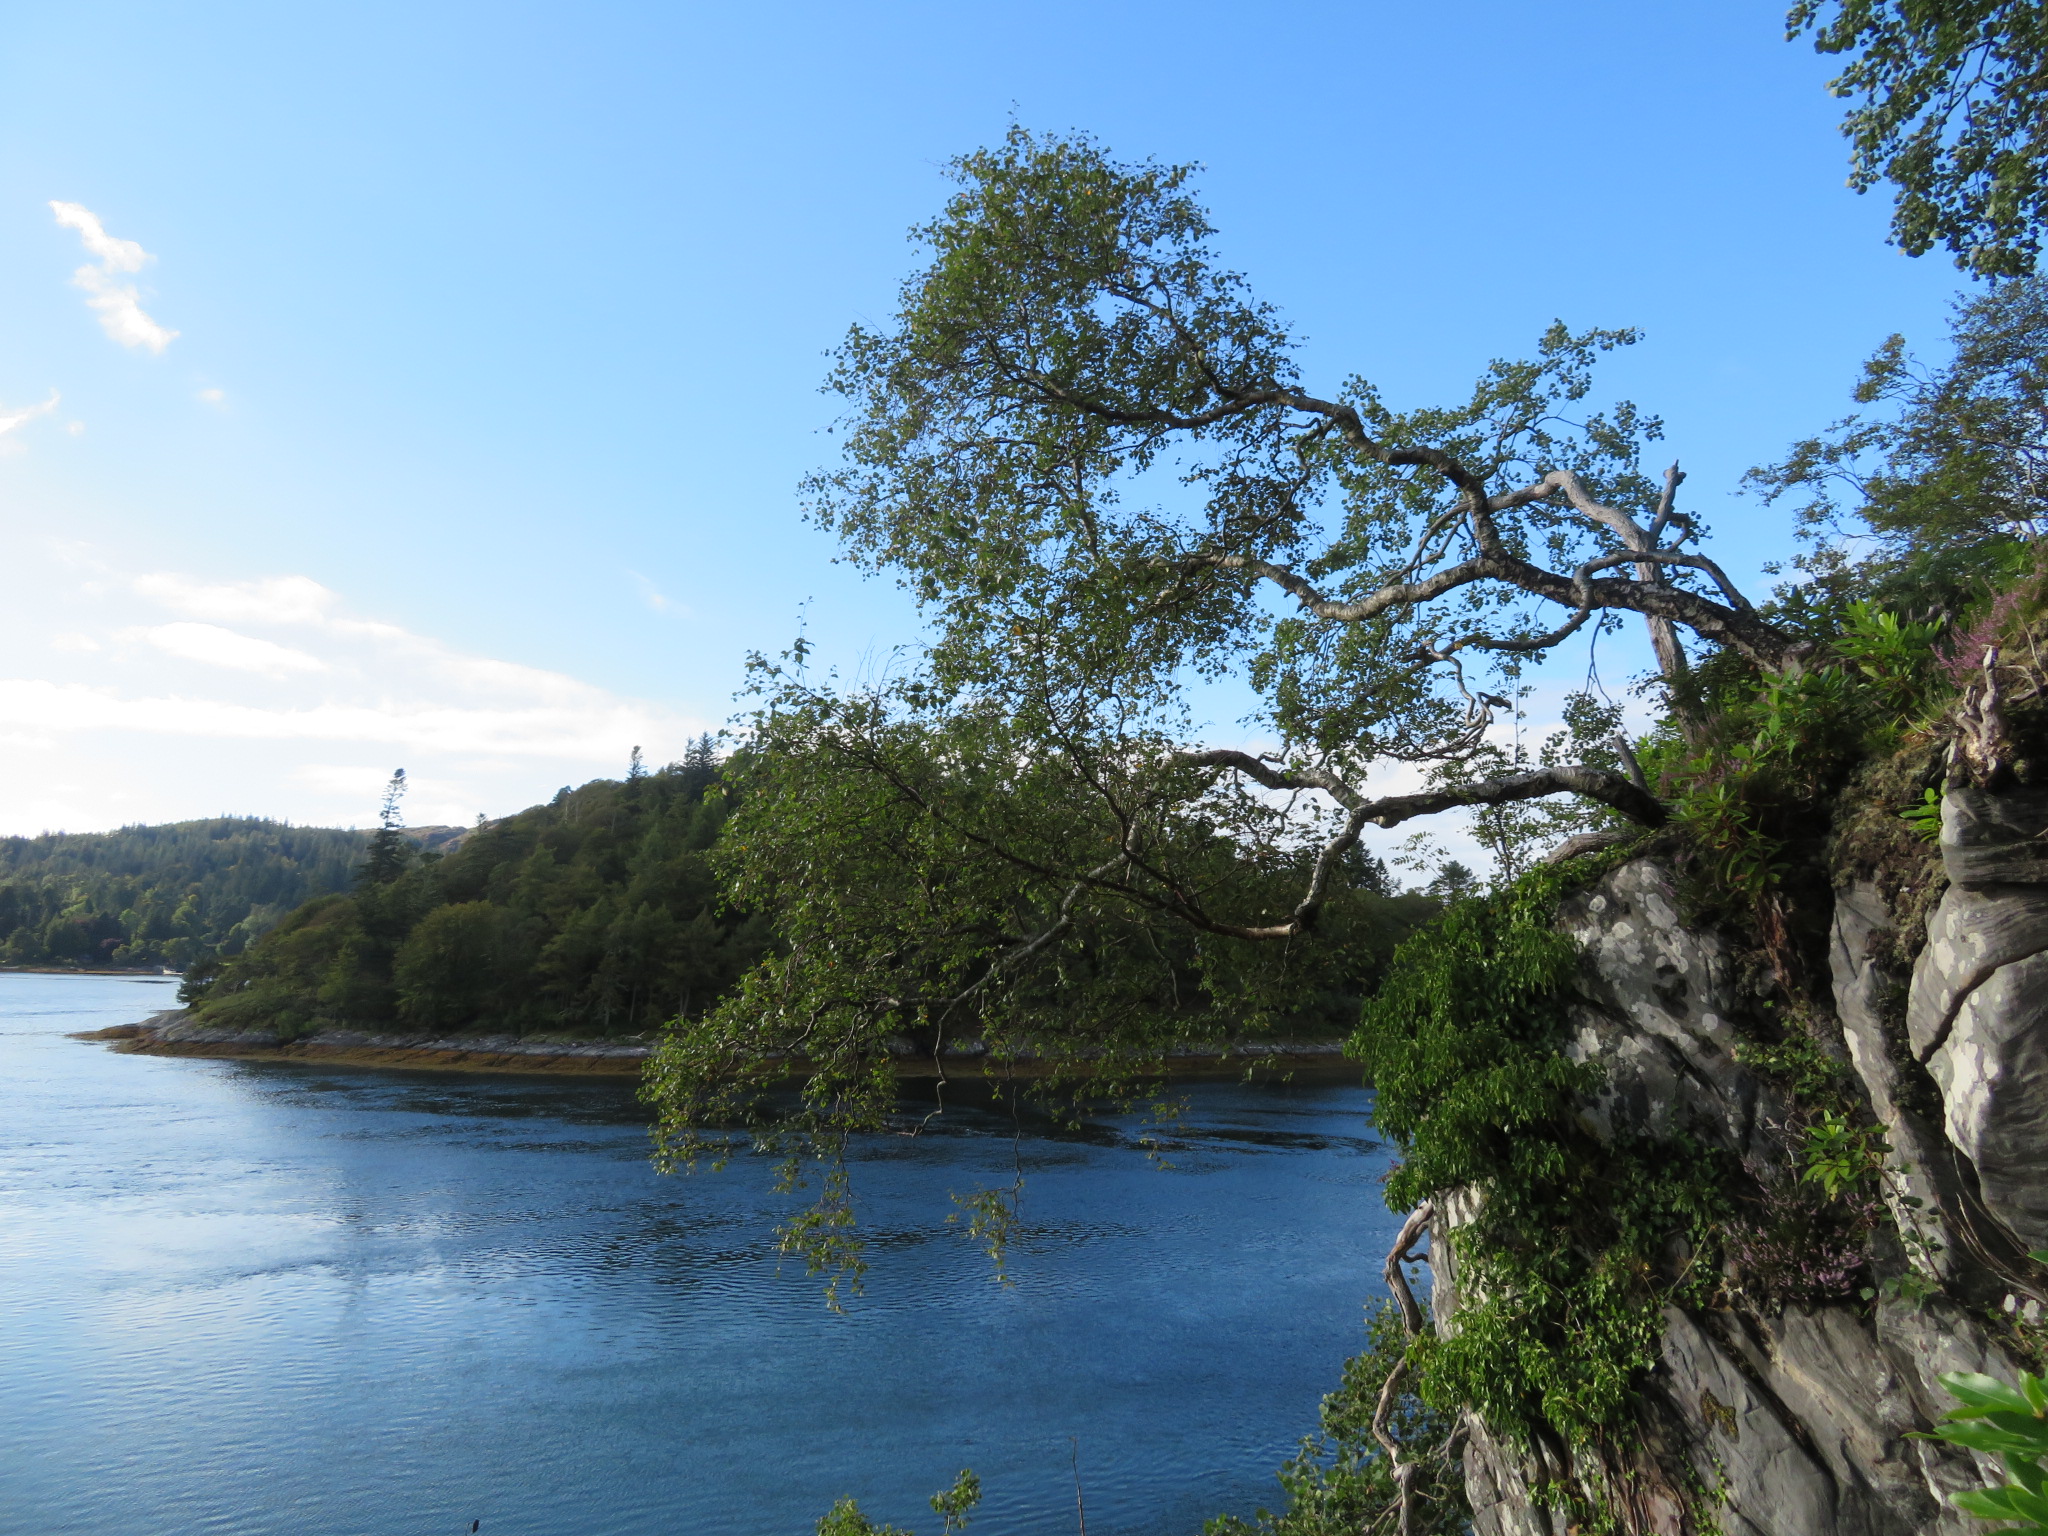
[[259, 1298]]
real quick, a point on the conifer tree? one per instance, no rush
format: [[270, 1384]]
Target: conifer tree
[[389, 851]]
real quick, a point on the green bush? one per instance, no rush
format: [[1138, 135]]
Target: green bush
[[1565, 1253], [2010, 1423]]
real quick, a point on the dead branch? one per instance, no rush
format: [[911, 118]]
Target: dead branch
[[1982, 751], [1403, 1470], [1582, 843]]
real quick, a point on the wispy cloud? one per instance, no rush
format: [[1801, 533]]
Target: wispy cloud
[[159, 694], [220, 647], [14, 416], [119, 304], [345, 679], [268, 600], [655, 598], [650, 594], [114, 255], [590, 735]]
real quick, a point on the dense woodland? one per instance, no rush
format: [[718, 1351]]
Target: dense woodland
[[597, 913], [173, 895], [606, 912]]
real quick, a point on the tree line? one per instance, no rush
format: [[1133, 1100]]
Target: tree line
[[172, 895]]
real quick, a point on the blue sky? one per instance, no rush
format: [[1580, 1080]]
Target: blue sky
[[499, 328]]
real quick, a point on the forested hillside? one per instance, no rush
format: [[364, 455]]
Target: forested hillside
[[595, 913], [168, 895]]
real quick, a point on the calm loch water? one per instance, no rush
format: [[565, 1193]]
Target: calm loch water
[[246, 1298]]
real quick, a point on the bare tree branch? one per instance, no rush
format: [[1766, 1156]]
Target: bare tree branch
[[1580, 843], [1737, 627], [1403, 1470], [1601, 784], [1734, 624]]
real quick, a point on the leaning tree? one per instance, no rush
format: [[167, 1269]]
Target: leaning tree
[[1093, 457]]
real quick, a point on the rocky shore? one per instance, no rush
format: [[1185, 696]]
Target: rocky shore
[[177, 1033]]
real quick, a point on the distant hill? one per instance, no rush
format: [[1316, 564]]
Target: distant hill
[[597, 913], [172, 895]]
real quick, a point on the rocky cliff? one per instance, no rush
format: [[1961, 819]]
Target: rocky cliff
[[1796, 1418]]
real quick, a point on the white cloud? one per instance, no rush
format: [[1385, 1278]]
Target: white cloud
[[115, 255], [119, 304], [225, 648], [167, 694], [268, 600], [350, 679], [213, 396], [12, 417], [589, 735], [300, 601], [120, 311]]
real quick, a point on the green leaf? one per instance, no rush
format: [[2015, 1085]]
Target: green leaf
[[1987, 1438], [1979, 1391], [2003, 1504], [2036, 1392]]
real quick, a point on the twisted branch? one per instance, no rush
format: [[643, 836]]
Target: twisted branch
[[1733, 623], [1611, 789]]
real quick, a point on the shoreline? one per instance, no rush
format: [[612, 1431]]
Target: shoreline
[[157, 972], [173, 1033]]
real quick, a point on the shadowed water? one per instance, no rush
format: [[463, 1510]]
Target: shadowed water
[[270, 1298]]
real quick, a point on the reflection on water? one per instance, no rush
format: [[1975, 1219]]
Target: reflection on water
[[268, 1298]]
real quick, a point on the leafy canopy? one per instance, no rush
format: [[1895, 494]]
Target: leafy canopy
[[1947, 476], [1953, 112], [1090, 451]]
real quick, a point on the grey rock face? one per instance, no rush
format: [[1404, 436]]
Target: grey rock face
[[1989, 839], [1916, 1189], [1973, 933], [1657, 1016], [1992, 1069], [1798, 1424], [1977, 1017]]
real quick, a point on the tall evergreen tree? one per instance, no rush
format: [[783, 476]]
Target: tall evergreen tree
[[389, 852]]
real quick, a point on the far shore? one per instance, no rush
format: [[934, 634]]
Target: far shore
[[158, 971], [176, 1033]]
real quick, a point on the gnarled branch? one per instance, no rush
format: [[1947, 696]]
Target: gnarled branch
[[1733, 623], [1611, 789]]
